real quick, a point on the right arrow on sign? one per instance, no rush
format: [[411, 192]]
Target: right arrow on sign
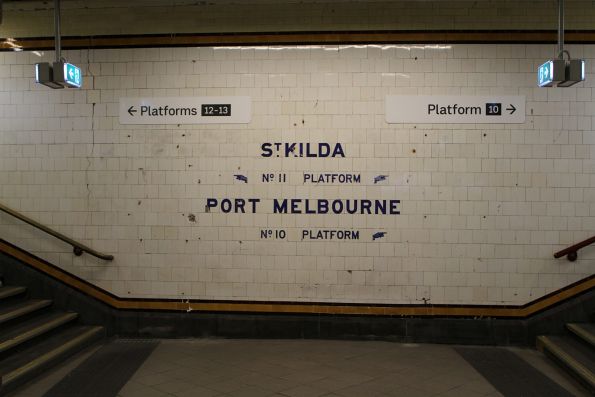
[[511, 108]]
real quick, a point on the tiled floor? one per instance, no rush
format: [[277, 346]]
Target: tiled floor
[[304, 368]]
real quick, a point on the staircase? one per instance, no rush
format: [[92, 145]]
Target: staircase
[[34, 336], [574, 351]]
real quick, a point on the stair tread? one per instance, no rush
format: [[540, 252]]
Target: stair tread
[[585, 331], [571, 348], [29, 359], [588, 326], [15, 310], [8, 291], [27, 330]]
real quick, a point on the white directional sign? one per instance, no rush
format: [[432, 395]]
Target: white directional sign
[[186, 110], [446, 109]]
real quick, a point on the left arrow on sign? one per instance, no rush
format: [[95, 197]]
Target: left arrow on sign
[[511, 108], [131, 110]]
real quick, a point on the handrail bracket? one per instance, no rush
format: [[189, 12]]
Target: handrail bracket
[[571, 252]]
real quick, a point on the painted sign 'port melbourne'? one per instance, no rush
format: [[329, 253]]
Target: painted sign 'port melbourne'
[[454, 109]]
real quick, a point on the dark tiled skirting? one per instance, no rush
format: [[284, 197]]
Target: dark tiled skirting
[[163, 324]]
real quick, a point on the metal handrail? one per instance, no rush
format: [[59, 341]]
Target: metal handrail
[[571, 252], [77, 248]]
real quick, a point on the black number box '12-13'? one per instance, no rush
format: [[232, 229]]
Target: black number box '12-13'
[[493, 109], [215, 110]]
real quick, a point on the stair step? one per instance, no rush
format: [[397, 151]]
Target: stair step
[[19, 368], [7, 292], [32, 328], [573, 355], [585, 331], [22, 308]]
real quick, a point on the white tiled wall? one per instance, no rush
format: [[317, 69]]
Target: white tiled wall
[[483, 207]]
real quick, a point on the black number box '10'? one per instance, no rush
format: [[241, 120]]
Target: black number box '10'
[[493, 109], [215, 110]]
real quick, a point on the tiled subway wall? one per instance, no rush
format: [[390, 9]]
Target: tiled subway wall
[[482, 206]]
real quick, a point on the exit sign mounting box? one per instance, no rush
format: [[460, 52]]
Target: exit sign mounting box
[[58, 75]]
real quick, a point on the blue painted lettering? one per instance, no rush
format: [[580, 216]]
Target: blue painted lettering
[[338, 206], [332, 178], [308, 234], [237, 205], [301, 149], [266, 150]]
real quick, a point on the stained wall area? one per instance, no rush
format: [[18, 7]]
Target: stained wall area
[[482, 207]]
